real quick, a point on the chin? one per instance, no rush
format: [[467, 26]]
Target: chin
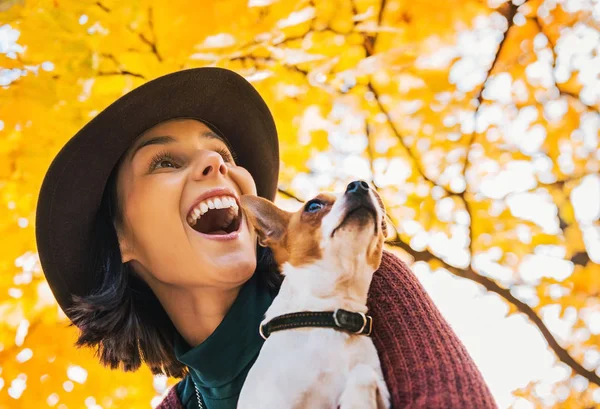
[[234, 268]]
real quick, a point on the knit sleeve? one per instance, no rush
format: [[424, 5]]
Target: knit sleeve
[[424, 363], [171, 400]]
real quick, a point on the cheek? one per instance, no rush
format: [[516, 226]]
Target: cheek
[[243, 179], [151, 208]]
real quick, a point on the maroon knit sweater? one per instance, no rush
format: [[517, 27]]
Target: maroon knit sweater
[[424, 363]]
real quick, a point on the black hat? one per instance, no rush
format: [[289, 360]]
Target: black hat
[[72, 189]]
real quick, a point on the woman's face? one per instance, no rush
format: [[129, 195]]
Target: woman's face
[[159, 184]]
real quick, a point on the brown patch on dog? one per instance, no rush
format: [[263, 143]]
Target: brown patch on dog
[[304, 246], [374, 256], [269, 220], [384, 228], [273, 224], [310, 397]]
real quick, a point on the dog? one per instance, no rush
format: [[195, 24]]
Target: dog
[[327, 252]]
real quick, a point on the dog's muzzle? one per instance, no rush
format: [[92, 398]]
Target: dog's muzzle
[[358, 204]]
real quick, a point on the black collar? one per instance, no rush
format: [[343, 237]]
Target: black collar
[[354, 322]]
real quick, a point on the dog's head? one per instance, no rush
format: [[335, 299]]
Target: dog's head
[[336, 231]]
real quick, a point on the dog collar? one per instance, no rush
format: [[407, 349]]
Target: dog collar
[[353, 322]]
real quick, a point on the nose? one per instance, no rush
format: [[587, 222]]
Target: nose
[[358, 187], [209, 164]]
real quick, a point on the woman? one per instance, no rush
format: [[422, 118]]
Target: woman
[[146, 284]]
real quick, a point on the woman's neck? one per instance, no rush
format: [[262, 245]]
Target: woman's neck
[[196, 312]]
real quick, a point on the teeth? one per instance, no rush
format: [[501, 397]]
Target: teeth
[[224, 202], [203, 208]]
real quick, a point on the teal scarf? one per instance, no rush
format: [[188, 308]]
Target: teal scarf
[[219, 365]]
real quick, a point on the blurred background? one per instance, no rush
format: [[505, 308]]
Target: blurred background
[[477, 120]]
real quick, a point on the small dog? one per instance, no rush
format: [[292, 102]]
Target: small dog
[[328, 252]]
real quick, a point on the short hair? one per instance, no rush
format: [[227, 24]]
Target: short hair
[[123, 319]]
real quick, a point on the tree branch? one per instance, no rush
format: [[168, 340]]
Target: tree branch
[[369, 46], [152, 44], [370, 40], [414, 159], [581, 258], [268, 60], [509, 14], [289, 195], [120, 72], [310, 30], [103, 7], [505, 293]]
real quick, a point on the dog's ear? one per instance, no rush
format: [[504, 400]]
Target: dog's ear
[[384, 227], [269, 220]]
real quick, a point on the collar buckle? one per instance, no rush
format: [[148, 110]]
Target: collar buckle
[[367, 321]]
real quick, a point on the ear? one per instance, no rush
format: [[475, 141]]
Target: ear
[[124, 247], [384, 228], [270, 221]]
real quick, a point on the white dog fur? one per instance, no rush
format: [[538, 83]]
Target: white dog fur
[[328, 261]]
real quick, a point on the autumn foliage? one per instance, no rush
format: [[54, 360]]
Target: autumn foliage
[[461, 113]]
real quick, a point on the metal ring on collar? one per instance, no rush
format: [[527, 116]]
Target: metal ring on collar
[[335, 318], [364, 317], [260, 331]]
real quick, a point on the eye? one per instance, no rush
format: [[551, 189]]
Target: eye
[[313, 206], [162, 158], [226, 155]]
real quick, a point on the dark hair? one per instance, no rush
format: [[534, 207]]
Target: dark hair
[[123, 320]]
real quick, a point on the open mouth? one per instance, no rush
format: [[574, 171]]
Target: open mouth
[[216, 216]]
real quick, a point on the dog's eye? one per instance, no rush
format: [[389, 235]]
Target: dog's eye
[[313, 206]]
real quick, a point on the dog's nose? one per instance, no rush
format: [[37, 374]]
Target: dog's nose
[[358, 187]]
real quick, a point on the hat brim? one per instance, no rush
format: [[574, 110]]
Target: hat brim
[[72, 188]]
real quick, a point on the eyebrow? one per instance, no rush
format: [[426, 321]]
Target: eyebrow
[[166, 139]]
